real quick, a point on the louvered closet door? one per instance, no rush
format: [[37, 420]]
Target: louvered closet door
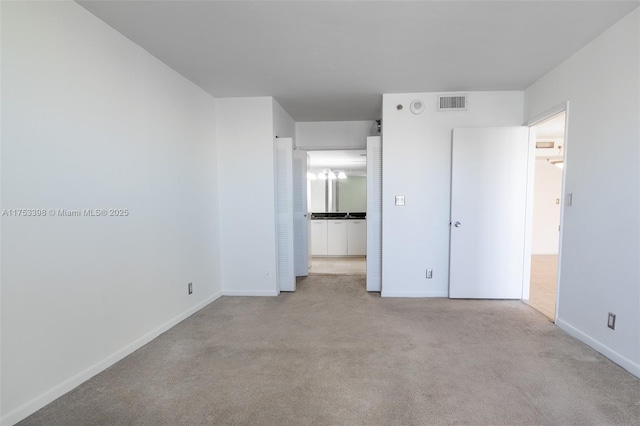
[[374, 213], [284, 214], [300, 214]]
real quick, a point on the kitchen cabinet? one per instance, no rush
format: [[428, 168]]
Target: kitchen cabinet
[[337, 237], [318, 237], [356, 237]]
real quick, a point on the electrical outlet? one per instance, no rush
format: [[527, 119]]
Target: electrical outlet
[[611, 322], [429, 273], [190, 288]]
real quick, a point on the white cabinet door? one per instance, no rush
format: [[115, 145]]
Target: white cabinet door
[[337, 237], [356, 237], [318, 237]]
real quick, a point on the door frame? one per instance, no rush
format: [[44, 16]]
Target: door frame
[[563, 107], [312, 148]]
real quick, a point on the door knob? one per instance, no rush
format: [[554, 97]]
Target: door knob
[[457, 224]]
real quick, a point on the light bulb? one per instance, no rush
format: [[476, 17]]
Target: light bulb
[[342, 175], [311, 176], [322, 176], [332, 175]]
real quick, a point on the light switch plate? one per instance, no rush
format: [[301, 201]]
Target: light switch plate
[[399, 200]]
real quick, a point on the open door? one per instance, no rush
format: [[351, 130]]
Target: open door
[[284, 214], [490, 169], [301, 218], [374, 213]]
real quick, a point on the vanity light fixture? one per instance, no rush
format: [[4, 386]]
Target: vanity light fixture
[[327, 174]]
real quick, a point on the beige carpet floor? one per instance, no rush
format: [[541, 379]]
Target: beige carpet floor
[[333, 354]]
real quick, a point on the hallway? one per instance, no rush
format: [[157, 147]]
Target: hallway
[[542, 293], [338, 265]]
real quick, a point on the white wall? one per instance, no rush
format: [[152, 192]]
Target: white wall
[[283, 124], [601, 235], [334, 134], [245, 135], [417, 164], [90, 120], [546, 213]]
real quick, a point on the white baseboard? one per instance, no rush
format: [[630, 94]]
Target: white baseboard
[[250, 292], [412, 294], [57, 391], [626, 363]]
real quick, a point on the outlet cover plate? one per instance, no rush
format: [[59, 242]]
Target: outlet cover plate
[[611, 322]]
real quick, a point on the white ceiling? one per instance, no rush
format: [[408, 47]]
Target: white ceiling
[[332, 60]]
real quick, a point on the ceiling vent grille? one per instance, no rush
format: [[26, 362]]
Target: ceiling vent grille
[[452, 103]]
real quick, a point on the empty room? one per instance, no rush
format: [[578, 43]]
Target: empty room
[[180, 245]]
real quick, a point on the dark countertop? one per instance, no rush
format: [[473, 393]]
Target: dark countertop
[[341, 215]]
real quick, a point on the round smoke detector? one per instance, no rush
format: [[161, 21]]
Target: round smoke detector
[[417, 107]]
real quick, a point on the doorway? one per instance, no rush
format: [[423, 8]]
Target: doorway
[[547, 213], [337, 204]]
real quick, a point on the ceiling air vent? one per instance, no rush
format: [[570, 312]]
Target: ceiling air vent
[[452, 103]]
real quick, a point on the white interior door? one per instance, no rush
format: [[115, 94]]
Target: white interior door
[[300, 214], [488, 212], [284, 214], [374, 213]]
